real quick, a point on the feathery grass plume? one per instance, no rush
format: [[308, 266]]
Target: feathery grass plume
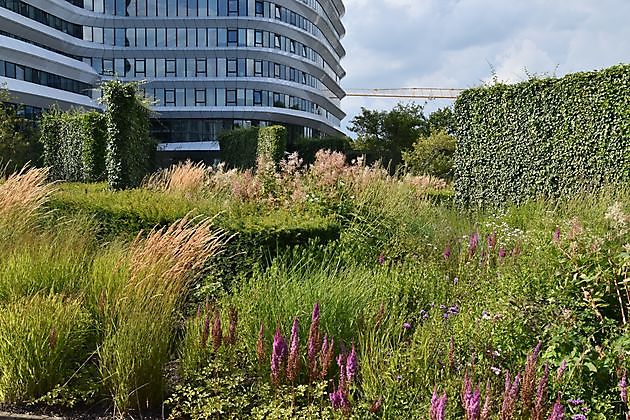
[[529, 378], [293, 363], [231, 338], [326, 356], [278, 357], [313, 343], [217, 330], [438, 406], [184, 177], [260, 345], [557, 413], [540, 407], [487, 404], [510, 397], [139, 323], [22, 195]]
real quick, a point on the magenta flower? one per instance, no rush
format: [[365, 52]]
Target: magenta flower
[[381, 259], [407, 326], [351, 365], [217, 331], [278, 357], [556, 235], [540, 408], [473, 242], [293, 364], [502, 253], [313, 343], [492, 240], [558, 410], [339, 400], [260, 345], [438, 406]]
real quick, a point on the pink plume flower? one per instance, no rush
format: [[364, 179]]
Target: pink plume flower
[[351, 365], [278, 357], [293, 365]]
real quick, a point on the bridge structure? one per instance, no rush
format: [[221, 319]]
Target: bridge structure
[[406, 93]]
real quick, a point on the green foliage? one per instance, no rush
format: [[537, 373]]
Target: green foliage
[[272, 143], [442, 119], [308, 147], [129, 150], [544, 137], [18, 136], [386, 134], [42, 343], [432, 155], [74, 144], [238, 147]]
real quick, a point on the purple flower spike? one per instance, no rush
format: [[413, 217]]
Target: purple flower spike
[[438, 406], [623, 388], [492, 240], [561, 370], [578, 417], [558, 410], [381, 259], [351, 365], [502, 253], [556, 235], [293, 364], [473, 242], [313, 343], [278, 357]]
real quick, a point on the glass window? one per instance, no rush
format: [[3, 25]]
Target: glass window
[[150, 67], [260, 8], [276, 70], [257, 97], [278, 12], [200, 97], [232, 37], [160, 35], [140, 68], [258, 68], [130, 36], [230, 97], [150, 37], [160, 67], [171, 68], [202, 40], [201, 67], [171, 37], [191, 35], [277, 43], [231, 67], [182, 8], [258, 38], [169, 97], [172, 7], [141, 37], [108, 36], [181, 37], [192, 7], [232, 7]]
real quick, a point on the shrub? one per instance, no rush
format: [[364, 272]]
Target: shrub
[[549, 137], [19, 143], [129, 149], [238, 147], [43, 340], [307, 148], [432, 155]]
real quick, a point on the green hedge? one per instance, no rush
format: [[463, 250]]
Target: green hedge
[[543, 137], [129, 150], [307, 148], [272, 143], [256, 236], [238, 147], [74, 144]]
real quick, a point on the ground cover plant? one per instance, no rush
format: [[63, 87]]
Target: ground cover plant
[[411, 308]]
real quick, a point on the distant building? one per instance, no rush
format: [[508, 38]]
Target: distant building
[[208, 64]]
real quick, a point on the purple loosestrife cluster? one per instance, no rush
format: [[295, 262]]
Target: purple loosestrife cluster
[[278, 357], [473, 243], [557, 412], [529, 378], [451, 354], [502, 253], [556, 235], [447, 252], [540, 406], [348, 368], [438, 406], [205, 331], [352, 365], [313, 343], [293, 364], [510, 397], [231, 338], [487, 404], [492, 240], [326, 356], [471, 400]]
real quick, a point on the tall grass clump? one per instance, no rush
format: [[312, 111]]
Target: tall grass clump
[[43, 341], [185, 177], [140, 314], [22, 194]]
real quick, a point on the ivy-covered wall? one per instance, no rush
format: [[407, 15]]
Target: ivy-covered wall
[[272, 143], [130, 150], [543, 137], [238, 147], [74, 144]]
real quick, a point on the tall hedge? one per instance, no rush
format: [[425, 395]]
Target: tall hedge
[[543, 137], [272, 143], [238, 147], [129, 150], [74, 144]]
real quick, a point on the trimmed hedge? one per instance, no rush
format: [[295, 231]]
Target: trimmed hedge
[[74, 144], [544, 137], [272, 143], [239, 146], [256, 237]]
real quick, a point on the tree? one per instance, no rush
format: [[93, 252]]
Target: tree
[[386, 134], [442, 119], [18, 136]]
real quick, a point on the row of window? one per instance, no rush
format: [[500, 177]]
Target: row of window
[[29, 74], [201, 67], [28, 41], [45, 18], [191, 97]]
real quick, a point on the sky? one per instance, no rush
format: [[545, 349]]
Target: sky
[[465, 43]]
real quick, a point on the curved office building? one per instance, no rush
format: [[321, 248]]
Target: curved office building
[[208, 64]]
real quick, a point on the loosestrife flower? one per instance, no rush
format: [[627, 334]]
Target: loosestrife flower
[[447, 252], [529, 377], [492, 240], [438, 406], [326, 356], [205, 332], [407, 326], [540, 409], [578, 417], [623, 388], [561, 370], [502, 253], [352, 365], [510, 395], [293, 364], [313, 343], [217, 331], [473, 242], [558, 410], [231, 338], [278, 357], [487, 404], [556, 235], [575, 402], [381, 259]]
